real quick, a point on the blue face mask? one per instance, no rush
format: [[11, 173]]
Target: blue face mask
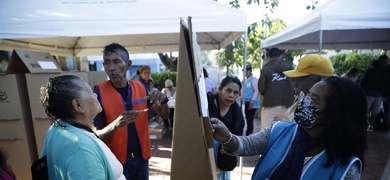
[[306, 114]]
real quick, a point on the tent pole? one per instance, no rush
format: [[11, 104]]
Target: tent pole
[[243, 92], [320, 50]]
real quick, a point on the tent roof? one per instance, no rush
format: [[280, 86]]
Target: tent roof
[[345, 24], [82, 28]]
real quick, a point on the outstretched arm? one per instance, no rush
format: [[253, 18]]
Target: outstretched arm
[[122, 120]]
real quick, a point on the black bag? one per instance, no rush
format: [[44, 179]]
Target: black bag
[[39, 169], [225, 162]]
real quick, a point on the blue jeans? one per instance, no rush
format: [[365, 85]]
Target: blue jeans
[[136, 168]]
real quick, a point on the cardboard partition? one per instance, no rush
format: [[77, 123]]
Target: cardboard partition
[[96, 77], [23, 61], [192, 157], [23, 122], [16, 128]]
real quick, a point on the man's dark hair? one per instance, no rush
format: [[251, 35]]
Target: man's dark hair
[[274, 52], [116, 48]]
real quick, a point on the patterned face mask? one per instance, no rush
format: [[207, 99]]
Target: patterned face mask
[[306, 114]]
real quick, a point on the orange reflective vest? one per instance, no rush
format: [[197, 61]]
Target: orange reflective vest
[[113, 106]]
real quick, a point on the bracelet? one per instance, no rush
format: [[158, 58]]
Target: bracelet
[[228, 141]]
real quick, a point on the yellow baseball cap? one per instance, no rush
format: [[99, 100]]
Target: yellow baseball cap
[[312, 64]]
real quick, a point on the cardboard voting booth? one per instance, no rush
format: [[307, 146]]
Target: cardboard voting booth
[[23, 121], [192, 146]]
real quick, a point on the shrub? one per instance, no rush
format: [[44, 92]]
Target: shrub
[[159, 79], [343, 62]]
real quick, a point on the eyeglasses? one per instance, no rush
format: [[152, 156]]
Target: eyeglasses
[[307, 100]]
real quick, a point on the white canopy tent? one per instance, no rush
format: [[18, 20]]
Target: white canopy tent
[[83, 28], [338, 24]]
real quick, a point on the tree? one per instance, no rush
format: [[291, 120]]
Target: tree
[[343, 62], [234, 53], [169, 61], [312, 6]]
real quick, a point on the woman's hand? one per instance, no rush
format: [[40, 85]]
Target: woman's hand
[[220, 131]]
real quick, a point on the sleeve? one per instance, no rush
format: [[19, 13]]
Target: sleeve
[[253, 144], [255, 88], [85, 165], [353, 172], [262, 81], [99, 120]]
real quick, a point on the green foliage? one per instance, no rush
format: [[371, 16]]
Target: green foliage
[[234, 53], [312, 6], [4, 56], [269, 4], [159, 79], [343, 62]]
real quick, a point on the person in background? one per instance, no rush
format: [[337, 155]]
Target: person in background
[[373, 82], [209, 82], [123, 102], [169, 89], [276, 89], [310, 70], [327, 139], [72, 148], [386, 91], [251, 97], [6, 172], [351, 74], [151, 83], [223, 106], [135, 76], [144, 75], [170, 92]]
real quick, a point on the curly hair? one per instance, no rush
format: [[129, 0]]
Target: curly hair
[[117, 48], [346, 111], [57, 95]]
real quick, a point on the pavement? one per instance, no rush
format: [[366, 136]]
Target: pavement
[[377, 157]]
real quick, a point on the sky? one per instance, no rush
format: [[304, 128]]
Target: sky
[[288, 10]]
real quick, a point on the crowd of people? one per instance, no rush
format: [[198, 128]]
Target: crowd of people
[[313, 122]]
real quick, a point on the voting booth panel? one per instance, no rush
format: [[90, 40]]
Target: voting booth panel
[[16, 129], [192, 146], [22, 111]]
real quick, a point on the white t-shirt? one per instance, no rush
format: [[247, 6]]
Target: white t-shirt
[[116, 166]]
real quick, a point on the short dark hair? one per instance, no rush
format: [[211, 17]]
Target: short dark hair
[[228, 79], [248, 67], [274, 52], [114, 48]]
